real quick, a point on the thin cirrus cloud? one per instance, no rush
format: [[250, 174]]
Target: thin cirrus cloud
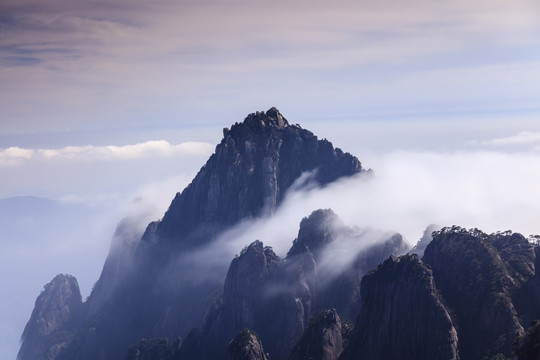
[[174, 58], [13, 156]]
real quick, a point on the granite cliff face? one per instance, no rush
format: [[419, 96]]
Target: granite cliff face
[[480, 277], [402, 316], [248, 176], [323, 339], [470, 297], [55, 316]]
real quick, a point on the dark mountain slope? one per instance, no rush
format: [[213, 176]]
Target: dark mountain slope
[[248, 176], [402, 316], [278, 298], [469, 297], [252, 168], [479, 275]]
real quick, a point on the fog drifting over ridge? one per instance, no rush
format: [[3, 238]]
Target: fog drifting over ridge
[[492, 187], [492, 191]]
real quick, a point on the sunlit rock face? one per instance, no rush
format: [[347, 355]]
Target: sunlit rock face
[[54, 318]]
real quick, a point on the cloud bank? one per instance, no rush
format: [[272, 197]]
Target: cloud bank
[[149, 149], [490, 190]]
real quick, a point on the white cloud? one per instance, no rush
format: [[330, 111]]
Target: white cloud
[[150, 149], [522, 138]]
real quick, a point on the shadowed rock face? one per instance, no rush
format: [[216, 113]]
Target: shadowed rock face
[[323, 339], [277, 298], [246, 346], [402, 316], [247, 176], [243, 302], [154, 349], [481, 278], [53, 319], [527, 346]]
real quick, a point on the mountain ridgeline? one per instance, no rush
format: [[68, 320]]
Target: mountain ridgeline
[[459, 294]]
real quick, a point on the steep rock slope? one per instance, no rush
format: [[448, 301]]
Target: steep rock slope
[[252, 168], [479, 276], [323, 339], [55, 315], [247, 176], [402, 316]]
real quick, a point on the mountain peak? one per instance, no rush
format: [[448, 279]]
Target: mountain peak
[[271, 118], [249, 174]]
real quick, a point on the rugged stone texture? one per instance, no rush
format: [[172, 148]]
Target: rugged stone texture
[[323, 338], [316, 232], [243, 300], [477, 274], [527, 346], [278, 298], [248, 175], [246, 346], [154, 349], [50, 328], [402, 316]]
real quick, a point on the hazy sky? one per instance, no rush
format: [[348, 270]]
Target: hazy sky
[[105, 101]]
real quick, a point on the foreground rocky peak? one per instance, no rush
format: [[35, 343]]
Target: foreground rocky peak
[[487, 281], [246, 345], [402, 316], [55, 313], [323, 339]]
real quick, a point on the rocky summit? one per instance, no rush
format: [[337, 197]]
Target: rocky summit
[[340, 292]]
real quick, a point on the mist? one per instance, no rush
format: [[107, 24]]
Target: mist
[[486, 188], [408, 191]]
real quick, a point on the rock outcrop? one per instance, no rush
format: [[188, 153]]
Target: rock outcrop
[[246, 346], [53, 320], [154, 349], [242, 304], [402, 316], [478, 275], [278, 298], [323, 339]]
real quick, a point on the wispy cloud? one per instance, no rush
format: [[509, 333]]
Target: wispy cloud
[[156, 148], [120, 61], [522, 138]]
